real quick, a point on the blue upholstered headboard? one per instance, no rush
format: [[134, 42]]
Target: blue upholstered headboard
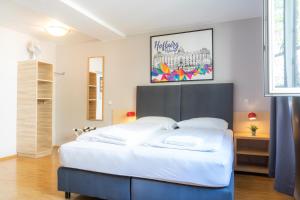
[[182, 102]]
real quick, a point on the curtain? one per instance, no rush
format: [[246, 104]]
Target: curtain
[[282, 150]]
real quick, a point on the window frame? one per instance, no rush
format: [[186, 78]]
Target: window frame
[[270, 89]]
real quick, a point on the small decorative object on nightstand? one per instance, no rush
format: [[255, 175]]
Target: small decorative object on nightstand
[[251, 152], [253, 128]]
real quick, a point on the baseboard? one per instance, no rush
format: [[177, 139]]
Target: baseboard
[[36, 155], [8, 157], [30, 155]]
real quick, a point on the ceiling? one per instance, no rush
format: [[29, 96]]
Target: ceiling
[[24, 20], [144, 16], [115, 19]]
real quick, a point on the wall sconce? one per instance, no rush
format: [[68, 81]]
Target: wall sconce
[[253, 128], [130, 114], [251, 116]]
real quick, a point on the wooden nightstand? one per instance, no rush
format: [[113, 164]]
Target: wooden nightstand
[[251, 152]]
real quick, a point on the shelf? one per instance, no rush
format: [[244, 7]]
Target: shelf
[[92, 93], [92, 109], [252, 168], [92, 78], [249, 136], [253, 152], [92, 96], [41, 98], [44, 89], [45, 71], [44, 80]]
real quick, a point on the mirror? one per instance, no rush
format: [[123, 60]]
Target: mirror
[[95, 88]]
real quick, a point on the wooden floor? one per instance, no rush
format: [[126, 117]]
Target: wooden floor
[[35, 179]]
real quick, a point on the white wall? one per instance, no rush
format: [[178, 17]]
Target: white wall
[[237, 59], [13, 49]]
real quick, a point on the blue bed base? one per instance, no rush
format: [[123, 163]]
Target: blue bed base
[[112, 187]]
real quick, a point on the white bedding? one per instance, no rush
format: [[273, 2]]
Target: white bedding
[[193, 139], [210, 169], [122, 134]]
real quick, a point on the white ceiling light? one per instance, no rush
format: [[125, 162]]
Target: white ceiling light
[[88, 14], [57, 30]]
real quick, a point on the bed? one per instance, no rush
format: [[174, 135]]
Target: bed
[[147, 181]]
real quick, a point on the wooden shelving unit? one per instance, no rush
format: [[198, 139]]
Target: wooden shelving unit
[[34, 116], [252, 169], [92, 93], [251, 153], [46, 81]]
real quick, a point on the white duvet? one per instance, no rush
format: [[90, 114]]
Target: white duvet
[[122, 134], [210, 169], [193, 139]]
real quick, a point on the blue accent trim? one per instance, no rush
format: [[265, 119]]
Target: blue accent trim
[[93, 184], [156, 190], [114, 187]]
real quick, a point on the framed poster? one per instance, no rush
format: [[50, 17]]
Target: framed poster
[[185, 56]]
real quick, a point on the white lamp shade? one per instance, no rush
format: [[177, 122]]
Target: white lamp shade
[[57, 31]]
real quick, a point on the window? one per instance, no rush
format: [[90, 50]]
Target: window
[[282, 47]]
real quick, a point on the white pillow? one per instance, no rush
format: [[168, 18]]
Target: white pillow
[[166, 122], [204, 122]]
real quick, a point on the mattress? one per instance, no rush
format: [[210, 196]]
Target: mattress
[[209, 169]]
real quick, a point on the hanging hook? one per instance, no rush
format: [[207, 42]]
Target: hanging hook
[[60, 73]]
